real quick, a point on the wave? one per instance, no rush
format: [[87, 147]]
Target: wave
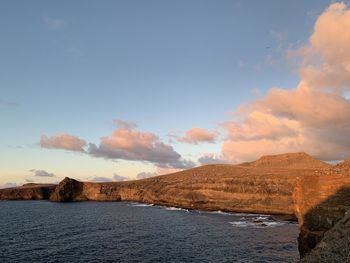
[[220, 212], [171, 208], [257, 222], [140, 204]]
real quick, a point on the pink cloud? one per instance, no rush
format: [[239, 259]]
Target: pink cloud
[[312, 117], [197, 135], [127, 143], [63, 141]]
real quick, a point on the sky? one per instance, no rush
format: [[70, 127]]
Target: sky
[[118, 90]]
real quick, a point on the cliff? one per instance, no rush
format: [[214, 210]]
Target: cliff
[[289, 184], [320, 203], [334, 246], [264, 186], [212, 187], [28, 192]]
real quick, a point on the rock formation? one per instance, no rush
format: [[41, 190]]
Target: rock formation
[[334, 246], [289, 184], [28, 192], [264, 186], [320, 202]]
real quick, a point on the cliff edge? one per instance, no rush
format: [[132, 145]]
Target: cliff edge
[[290, 184], [320, 203]]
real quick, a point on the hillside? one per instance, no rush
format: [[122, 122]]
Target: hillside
[[263, 186], [290, 184], [289, 160]]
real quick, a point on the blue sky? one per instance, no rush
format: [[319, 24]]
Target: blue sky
[[75, 66]]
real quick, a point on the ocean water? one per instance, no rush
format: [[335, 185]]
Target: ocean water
[[42, 231]]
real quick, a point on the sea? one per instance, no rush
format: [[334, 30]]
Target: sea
[[43, 231]]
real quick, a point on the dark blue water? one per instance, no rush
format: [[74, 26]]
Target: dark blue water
[[40, 231]]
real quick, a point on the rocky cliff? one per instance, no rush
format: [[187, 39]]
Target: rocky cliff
[[212, 187], [290, 184], [264, 186], [28, 192], [334, 246], [320, 202]]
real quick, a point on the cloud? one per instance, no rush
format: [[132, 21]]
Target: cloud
[[117, 177], [144, 175], [100, 179], [197, 135], [8, 185], [127, 143], [54, 23], [210, 158], [313, 116], [63, 141], [41, 173]]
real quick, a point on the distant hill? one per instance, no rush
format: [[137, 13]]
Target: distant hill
[[343, 165], [299, 160]]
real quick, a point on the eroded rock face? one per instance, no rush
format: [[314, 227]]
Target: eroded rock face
[[290, 184], [28, 192], [320, 202], [238, 188], [68, 190], [334, 246]]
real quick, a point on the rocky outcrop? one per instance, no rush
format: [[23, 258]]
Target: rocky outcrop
[[334, 246], [265, 186], [28, 192], [212, 187], [256, 187], [72, 190], [290, 184], [68, 190], [320, 202]]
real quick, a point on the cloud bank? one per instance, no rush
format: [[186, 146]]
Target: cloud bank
[[197, 135], [63, 141], [126, 143], [312, 117], [41, 173]]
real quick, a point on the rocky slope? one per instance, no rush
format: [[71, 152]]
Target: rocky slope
[[264, 186], [320, 202], [28, 192], [291, 161], [289, 184], [334, 246], [213, 187]]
